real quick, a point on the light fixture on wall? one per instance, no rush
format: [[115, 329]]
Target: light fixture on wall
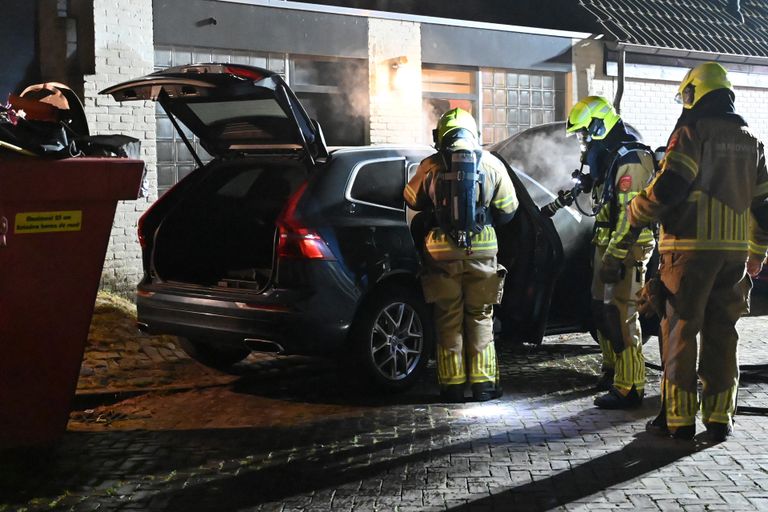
[[396, 62], [397, 72]]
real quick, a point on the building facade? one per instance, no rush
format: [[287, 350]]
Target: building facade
[[373, 77]]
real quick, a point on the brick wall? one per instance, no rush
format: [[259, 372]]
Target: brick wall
[[123, 50], [395, 93], [648, 103], [752, 103]]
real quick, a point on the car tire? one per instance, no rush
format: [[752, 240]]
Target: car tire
[[219, 358], [392, 339]]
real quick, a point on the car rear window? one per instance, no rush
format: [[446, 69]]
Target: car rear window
[[245, 123], [219, 111]]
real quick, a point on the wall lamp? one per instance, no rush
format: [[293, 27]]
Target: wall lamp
[[397, 72]]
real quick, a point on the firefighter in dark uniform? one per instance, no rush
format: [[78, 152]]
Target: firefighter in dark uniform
[[620, 168], [463, 284], [711, 198]]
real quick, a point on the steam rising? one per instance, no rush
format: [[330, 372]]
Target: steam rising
[[549, 157], [544, 153]]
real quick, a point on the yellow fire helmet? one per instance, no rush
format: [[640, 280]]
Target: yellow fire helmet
[[700, 81], [594, 116], [454, 119]]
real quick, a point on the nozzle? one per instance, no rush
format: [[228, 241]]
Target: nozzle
[[563, 199]]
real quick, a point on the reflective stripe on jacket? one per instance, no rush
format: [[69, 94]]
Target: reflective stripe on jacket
[[634, 172], [717, 172], [419, 194]]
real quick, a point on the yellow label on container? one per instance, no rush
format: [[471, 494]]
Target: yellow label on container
[[48, 222]]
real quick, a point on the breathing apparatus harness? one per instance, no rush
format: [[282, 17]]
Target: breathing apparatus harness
[[460, 207], [583, 182]]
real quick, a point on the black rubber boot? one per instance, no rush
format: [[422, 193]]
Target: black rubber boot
[[452, 393], [718, 432], [484, 391], [658, 425], [615, 400], [605, 382], [684, 433]]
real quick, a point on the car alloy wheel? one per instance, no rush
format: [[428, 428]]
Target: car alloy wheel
[[392, 338], [397, 341]]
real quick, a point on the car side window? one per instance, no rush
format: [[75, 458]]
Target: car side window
[[380, 183]]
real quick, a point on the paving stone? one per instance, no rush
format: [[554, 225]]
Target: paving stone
[[289, 434]]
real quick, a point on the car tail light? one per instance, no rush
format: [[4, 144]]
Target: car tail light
[[296, 240], [244, 73], [302, 243], [140, 227]]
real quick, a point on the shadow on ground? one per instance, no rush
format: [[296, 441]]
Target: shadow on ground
[[526, 371], [229, 470]]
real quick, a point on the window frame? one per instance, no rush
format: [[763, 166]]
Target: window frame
[[353, 178]]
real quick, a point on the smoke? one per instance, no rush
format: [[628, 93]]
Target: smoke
[[544, 153], [547, 156], [430, 113], [335, 93]]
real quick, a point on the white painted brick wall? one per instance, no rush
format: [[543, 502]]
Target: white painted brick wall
[[395, 94], [124, 49], [649, 104]]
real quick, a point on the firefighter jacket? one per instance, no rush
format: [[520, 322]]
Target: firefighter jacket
[[499, 195], [634, 171], [711, 193]]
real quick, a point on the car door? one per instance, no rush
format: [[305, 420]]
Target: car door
[[531, 250], [230, 108]]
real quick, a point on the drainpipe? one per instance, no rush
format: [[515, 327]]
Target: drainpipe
[[620, 84]]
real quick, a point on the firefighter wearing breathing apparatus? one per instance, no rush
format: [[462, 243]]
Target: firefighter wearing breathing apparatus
[[619, 167], [469, 191], [711, 198]]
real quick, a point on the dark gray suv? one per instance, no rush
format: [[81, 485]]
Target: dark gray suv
[[280, 244]]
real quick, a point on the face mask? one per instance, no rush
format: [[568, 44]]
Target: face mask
[[594, 159]]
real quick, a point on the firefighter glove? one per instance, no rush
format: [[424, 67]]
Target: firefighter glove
[[652, 298], [612, 270]]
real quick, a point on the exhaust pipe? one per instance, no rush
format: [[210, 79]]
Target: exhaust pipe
[[142, 327], [258, 345]]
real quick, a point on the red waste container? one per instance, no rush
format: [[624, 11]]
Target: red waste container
[[59, 217]]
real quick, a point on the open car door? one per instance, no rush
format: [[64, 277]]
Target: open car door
[[531, 250]]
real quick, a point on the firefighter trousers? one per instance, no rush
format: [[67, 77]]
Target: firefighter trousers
[[618, 318], [463, 293], [708, 292]]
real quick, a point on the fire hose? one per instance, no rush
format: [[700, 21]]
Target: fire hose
[[582, 182]]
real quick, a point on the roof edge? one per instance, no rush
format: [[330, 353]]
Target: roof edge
[[691, 54], [368, 13]]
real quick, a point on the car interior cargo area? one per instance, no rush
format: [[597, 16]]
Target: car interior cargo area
[[223, 232]]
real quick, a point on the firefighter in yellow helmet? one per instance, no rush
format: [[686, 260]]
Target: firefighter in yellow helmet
[[711, 198], [620, 168], [461, 276]]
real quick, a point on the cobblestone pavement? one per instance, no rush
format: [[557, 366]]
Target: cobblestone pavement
[[290, 434]]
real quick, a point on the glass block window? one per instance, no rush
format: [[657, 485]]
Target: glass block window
[[174, 160], [515, 100], [333, 91]]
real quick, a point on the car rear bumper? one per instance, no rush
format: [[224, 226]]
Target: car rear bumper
[[289, 321]]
